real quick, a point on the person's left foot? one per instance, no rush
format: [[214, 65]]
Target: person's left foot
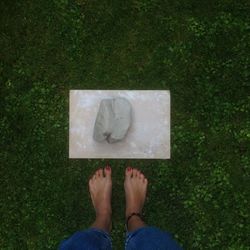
[[100, 188]]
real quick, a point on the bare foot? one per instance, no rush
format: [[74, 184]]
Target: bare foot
[[100, 188], [135, 185]]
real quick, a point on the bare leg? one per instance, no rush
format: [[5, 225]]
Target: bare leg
[[100, 188], [135, 186]]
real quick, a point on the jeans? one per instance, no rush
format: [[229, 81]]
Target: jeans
[[145, 238]]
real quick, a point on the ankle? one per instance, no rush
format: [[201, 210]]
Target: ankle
[[131, 211], [103, 223], [134, 223]]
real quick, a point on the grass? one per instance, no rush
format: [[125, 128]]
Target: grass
[[198, 50]]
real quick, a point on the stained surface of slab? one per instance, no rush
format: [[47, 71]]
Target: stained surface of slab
[[148, 137]]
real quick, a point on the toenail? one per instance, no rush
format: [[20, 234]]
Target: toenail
[[108, 168], [129, 168]]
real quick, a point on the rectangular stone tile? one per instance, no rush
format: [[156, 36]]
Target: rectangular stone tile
[[147, 138]]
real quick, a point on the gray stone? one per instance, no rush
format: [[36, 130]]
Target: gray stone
[[113, 120]]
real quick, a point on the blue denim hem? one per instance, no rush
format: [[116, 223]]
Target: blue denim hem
[[92, 238], [129, 235], [144, 238], [107, 235], [150, 238]]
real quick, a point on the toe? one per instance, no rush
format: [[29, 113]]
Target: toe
[[128, 172], [107, 171], [92, 177], [90, 181], [96, 173], [141, 176], [99, 172], [135, 172]]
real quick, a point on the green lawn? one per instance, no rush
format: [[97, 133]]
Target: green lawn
[[199, 50]]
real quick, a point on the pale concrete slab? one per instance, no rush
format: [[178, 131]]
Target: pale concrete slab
[[148, 137]]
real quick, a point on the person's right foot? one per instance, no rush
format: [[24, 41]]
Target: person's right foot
[[135, 186], [100, 188]]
